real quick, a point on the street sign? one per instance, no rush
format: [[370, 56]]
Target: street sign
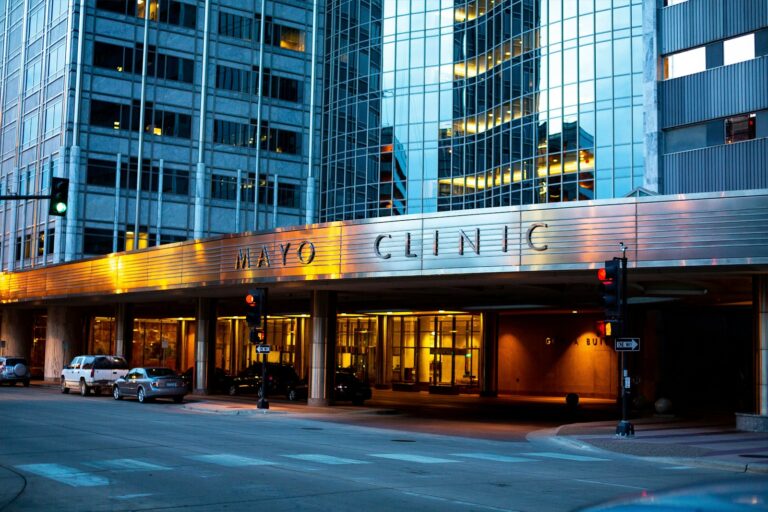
[[262, 349], [627, 344]]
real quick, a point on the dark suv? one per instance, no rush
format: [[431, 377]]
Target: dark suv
[[13, 370], [281, 378]]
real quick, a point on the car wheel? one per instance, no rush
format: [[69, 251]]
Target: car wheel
[[292, 395], [84, 388], [141, 396], [116, 393], [178, 399], [64, 388], [26, 383], [232, 390]]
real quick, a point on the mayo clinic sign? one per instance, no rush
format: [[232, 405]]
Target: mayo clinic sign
[[701, 230]]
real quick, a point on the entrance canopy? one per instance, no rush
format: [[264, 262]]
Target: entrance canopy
[[703, 236]]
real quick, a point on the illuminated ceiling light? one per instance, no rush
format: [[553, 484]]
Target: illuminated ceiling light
[[575, 312]]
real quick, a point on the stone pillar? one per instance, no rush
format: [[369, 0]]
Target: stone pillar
[[323, 366], [16, 333], [489, 355], [205, 343], [124, 331], [383, 363], [761, 344], [63, 340]]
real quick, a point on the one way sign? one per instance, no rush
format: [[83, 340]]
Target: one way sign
[[627, 344]]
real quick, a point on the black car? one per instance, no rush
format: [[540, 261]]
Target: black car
[[345, 387], [281, 379]]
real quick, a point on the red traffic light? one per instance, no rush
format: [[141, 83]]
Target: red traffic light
[[602, 274], [250, 300]]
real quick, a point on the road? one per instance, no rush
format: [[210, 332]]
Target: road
[[69, 453]]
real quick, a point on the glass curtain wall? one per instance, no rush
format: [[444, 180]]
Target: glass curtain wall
[[442, 105], [435, 351]]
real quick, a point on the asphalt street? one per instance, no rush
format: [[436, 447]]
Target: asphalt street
[[66, 452]]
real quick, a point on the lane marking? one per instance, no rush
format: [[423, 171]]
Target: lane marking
[[493, 457], [421, 459], [126, 465], [65, 475], [677, 468], [228, 459], [565, 456], [324, 459], [133, 496], [609, 484]]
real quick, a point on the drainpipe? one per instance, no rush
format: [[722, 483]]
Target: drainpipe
[[258, 118], [200, 171], [74, 151], [311, 179], [142, 121]]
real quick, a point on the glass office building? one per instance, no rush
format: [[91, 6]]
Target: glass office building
[[88, 89], [439, 105]]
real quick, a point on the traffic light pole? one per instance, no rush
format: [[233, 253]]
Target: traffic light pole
[[625, 428]]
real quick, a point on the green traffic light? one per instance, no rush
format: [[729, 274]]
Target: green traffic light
[[61, 207]]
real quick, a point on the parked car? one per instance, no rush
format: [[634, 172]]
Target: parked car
[[96, 373], [345, 387], [13, 370], [149, 383], [217, 383], [281, 378]]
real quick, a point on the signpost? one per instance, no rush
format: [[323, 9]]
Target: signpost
[[627, 344], [262, 349]]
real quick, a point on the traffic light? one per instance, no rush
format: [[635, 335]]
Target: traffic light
[[255, 307], [256, 335], [59, 196], [611, 285]]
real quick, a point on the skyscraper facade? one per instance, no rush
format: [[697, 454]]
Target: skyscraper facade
[[90, 89]]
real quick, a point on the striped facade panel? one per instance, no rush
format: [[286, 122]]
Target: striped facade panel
[[692, 23], [702, 230], [740, 166], [745, 16], [727, 90]]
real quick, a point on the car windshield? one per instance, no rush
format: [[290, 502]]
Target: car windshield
[[160, 372], [110, 363]]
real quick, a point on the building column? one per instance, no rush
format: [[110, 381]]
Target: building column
[[383, 363], [323, 365], [63, 332], [489, 355], [205, 343], [16, 333], [124, 330], [761, 344]]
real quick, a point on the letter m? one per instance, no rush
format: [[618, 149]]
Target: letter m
[[243, 259]]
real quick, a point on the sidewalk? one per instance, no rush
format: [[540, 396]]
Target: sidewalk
[[704, 442]]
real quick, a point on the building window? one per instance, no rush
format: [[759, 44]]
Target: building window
[[233, 25], [739, 49], [53, 117], [291, 38], [685, 63], [667, 3], [740, 128], [100, 172], [98, 241], [112, 56]]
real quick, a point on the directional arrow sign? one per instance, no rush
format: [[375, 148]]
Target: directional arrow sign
[[627, 344], [262, 349]]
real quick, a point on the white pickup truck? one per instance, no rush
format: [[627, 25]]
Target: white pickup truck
[[96, 373]]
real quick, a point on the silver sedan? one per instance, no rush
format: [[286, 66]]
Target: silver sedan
[[150, 383]]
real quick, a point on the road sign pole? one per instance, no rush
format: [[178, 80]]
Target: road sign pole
[[624, 428]]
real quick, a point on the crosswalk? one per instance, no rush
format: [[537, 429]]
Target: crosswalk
[[95, 473]]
